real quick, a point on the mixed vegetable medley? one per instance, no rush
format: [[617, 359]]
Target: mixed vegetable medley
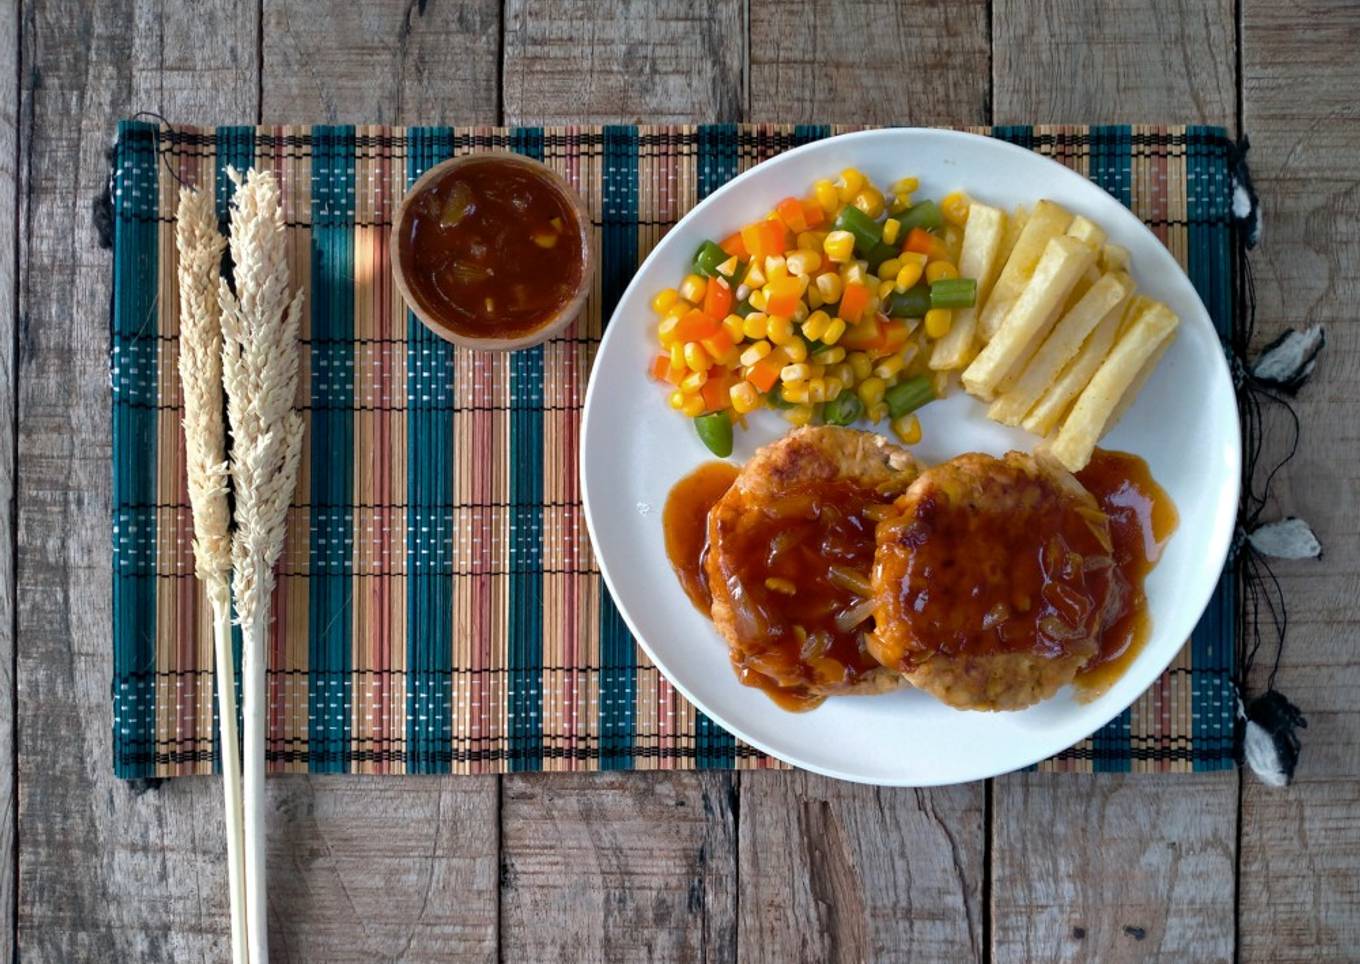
[[824, 310]]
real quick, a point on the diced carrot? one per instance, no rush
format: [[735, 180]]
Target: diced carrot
[[694, 325], [717, 299], [894, 336], [765, 239], [733, 244], [675, 375], [921, 241], [718, 344], [866, 335], [716, 392], [853, 302], [764, 374], [812, 213], [791, 213], [783, 297], [661, 366]]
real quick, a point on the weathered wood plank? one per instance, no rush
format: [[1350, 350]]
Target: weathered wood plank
[[382, 868], [1143, 61], [1064, 846], [1100, 869], [9, 295], [380, 62], [108, 872], [878, 62], [618, 866], [1300, 884], [834, 871], [625, 61]]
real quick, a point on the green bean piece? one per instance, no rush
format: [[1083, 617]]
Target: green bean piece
[[868, 232], [953, 293], [707, 259], [908, 396], [924, 215], [844, 409], [881, 252], [715, 431], [912, 303]]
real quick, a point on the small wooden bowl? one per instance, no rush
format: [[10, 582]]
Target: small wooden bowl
[[555, 323]]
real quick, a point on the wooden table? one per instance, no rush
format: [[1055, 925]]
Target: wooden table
[[669, 866]]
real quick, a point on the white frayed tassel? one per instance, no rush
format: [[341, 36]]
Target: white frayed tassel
[[1290, 538]]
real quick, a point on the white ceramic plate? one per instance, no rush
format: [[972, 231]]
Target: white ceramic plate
[[634, 448]]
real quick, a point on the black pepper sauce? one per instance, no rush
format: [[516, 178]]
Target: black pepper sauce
[[801, 564], [493, 249], [1142, 519]]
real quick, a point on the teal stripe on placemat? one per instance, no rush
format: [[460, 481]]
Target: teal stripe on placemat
[[525, 650], [618, 261], [715, 748], [429, 524], [807, 133], [1213, 642], [1111, 168], [235, 148], [1022, 135], [135, 323], [330, 601]]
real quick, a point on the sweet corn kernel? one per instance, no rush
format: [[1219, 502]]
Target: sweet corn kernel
[[678, 356], [729, 267], [954, 206], [889, 367], [665, 331], [825, 193], [854, 273], [886, 288], [757, 299], [891, 229], [799, 414], [900, 204], [744, 397], [953, 241], [939, 381], [913, 266], [800, 312], [735, 326], [905, 185], [775, 268], [679, 309], [810, 240], [755, 353], [755, 277], [870, 201], [816, 324], [833, 332], [693, 381], [939, 270], [753, 326], [816, 390], [907, 428], [834, 386], [889, 268], [850, 183], [830, 356], [796, 349], [795, 393], [871, 391], [839, 246], [801, 263], [779, 329], [814, 297], [860, 365], [693, 288], [843, 373], [795, 373], [664, 299], [694, 405], [696, 359], [677, 400], [877, 412], [830, 286], [938, 321]]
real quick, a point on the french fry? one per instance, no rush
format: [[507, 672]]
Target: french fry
[[1084, 229], [1062, 263], [980, 259], [1092, 410], [1015, 226], [1083, 285], [1139, 381], [1113, 257], [1046, 222], [1105, 299]]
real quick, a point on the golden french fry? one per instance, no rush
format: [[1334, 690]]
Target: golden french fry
[[1114, 258], [1084, 229], [1083, 285], [982, 237], [1062, 263], [1015, 226], [1046, 222], [1139, 381], [1105, 299], [1091, 412]]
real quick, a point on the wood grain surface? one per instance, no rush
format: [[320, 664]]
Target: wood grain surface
[[680, 866], [1300, 882]]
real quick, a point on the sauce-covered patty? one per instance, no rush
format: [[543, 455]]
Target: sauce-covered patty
[[492, 249], [789, 551], [994, 581]]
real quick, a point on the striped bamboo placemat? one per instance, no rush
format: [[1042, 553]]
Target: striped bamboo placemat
[[438, 606]]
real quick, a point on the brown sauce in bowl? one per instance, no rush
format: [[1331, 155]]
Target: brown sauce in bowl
[[491, 249]]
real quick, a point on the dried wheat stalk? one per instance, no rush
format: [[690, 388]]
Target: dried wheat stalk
[[200, 247], [260, 371]]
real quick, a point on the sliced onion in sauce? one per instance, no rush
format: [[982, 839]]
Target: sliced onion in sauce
[[844, 577], [458, 205], [847, 620]]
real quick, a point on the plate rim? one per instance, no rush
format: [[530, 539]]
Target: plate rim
[[1219, 362]]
